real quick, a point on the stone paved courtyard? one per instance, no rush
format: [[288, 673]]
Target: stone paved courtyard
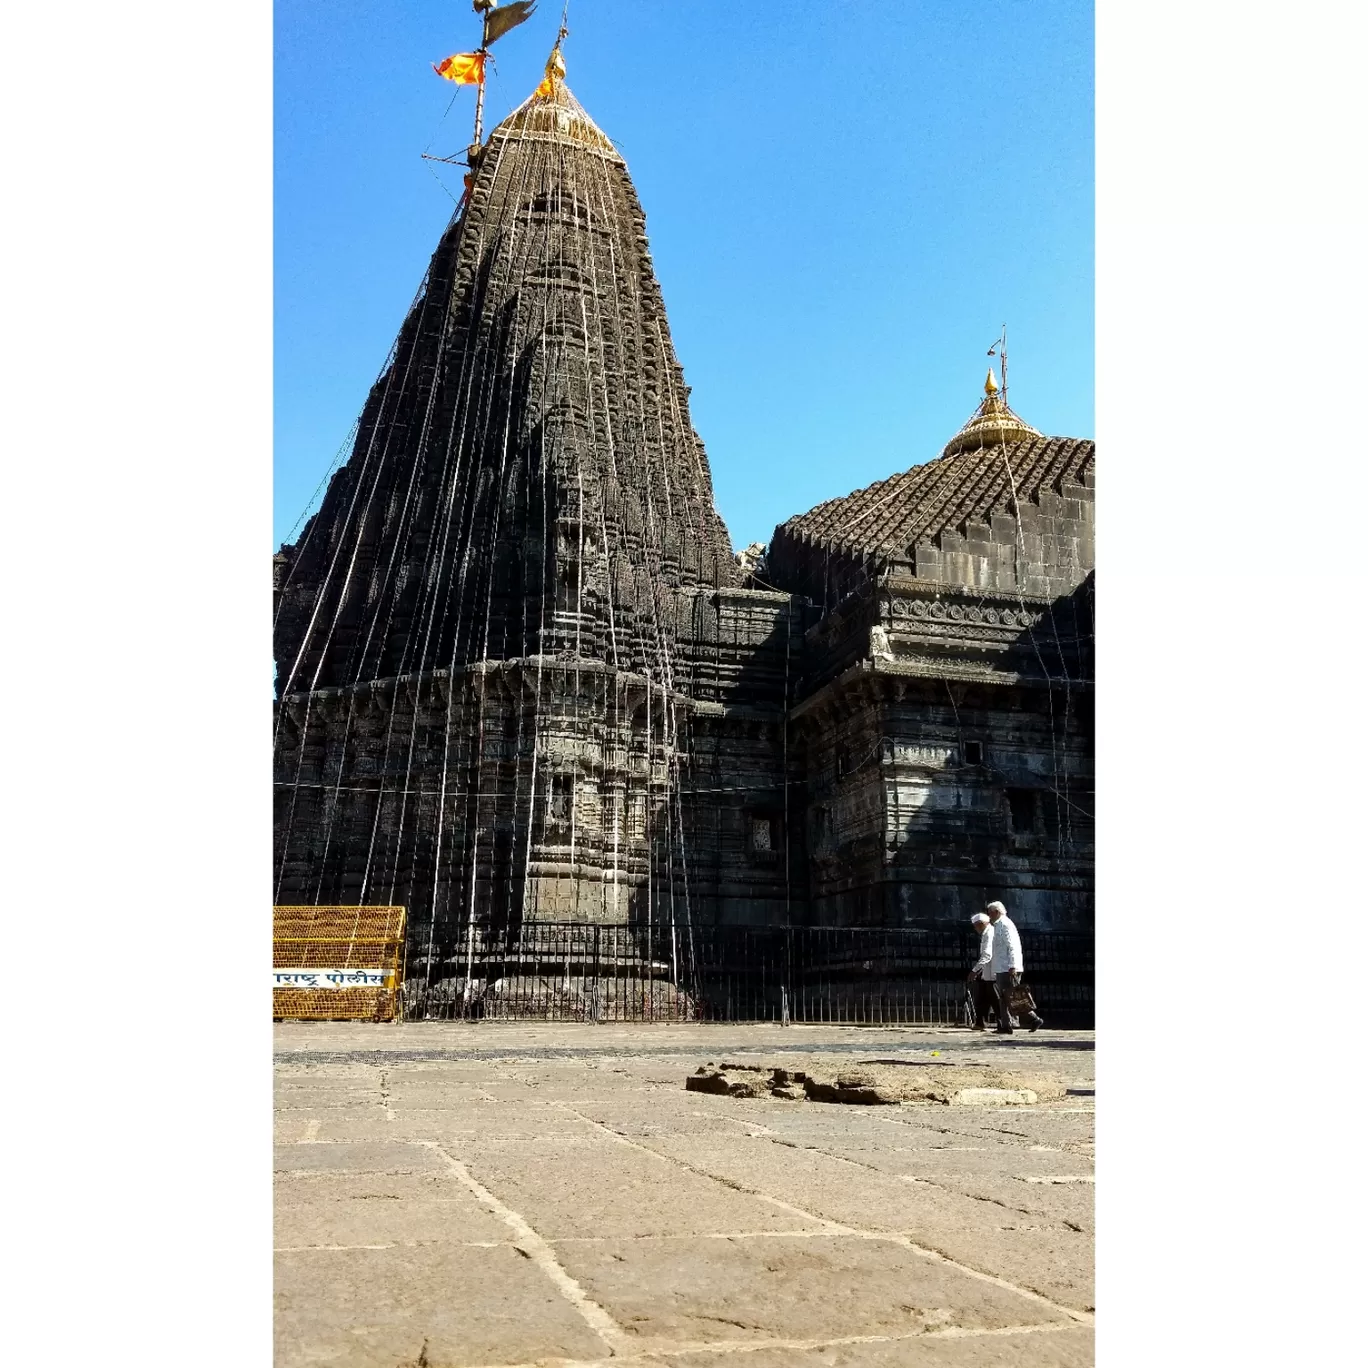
[[501, 1194]]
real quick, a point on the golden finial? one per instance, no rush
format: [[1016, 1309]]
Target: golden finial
[[990, 385], [555, 63]]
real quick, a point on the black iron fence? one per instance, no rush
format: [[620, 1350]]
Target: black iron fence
[[575, 971]]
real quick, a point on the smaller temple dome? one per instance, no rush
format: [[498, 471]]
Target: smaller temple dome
[[992, 424]]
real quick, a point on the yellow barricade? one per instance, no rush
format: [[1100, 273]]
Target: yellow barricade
[[338, 963]]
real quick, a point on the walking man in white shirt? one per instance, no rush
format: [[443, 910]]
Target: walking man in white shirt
[[981, 975], [1007, 966]]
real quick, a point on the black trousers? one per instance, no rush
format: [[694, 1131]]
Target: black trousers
[[1002, 988], [985, 1000]]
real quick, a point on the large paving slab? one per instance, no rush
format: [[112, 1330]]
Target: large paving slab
[[808, 1179], [875, 1128], [986, 1235], [666, 1115], [487, 1121], [331, 1210], [303, 1125], [601, 1187], [1070, 1348], [664, 1292], [1068, 1201], [434, 1304], [1043, 1255], [357, 1158], [517, 1194], [312, 1092], [969, 1156]]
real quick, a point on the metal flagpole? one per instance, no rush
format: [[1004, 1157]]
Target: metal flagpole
[[482, 8], [999, 349]]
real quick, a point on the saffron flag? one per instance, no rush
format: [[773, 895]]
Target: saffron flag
[[465, 68], [546, 88]]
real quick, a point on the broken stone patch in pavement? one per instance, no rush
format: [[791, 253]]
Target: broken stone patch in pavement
[[877, 1082]]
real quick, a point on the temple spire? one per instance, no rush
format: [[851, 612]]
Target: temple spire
[[555, 63], [993, 422]]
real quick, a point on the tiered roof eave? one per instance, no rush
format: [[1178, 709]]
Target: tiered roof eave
[[918, 505]]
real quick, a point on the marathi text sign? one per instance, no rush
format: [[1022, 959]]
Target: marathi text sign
[[332, 978]]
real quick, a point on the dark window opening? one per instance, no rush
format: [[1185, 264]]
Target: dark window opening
[[1022, 804], [973, 752]]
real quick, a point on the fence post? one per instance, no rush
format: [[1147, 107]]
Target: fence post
[[596, 989], [788, 970]]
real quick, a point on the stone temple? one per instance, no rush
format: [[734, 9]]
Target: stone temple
[[523, 678]]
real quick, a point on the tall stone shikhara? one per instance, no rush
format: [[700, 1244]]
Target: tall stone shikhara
[[492, 637], [521, 675], [525, 481]]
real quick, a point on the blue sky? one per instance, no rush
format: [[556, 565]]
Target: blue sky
[[845, 200]]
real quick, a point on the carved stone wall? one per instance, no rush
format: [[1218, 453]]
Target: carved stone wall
[[927, 798], [944, 719]]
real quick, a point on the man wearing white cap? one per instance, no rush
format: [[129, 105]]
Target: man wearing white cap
[[981, 975], [1007, 965]]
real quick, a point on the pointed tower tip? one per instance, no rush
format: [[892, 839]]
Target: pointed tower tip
[[554, 78], [992, 424], [552, 110]]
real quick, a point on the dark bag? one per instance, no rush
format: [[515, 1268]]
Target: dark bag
[[1019, 1001]]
